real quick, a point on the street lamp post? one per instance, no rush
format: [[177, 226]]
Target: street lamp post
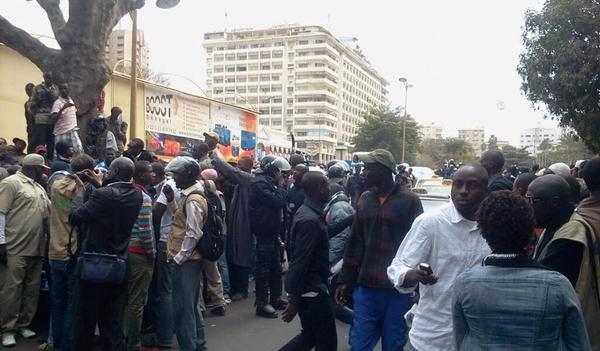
[[133, 88], [404, 82], [163, 4]]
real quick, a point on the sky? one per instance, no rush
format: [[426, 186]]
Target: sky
[[460, 56]]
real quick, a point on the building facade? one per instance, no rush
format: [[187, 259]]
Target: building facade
[[431, 132], [118, 51], [300, 78], [474, 137], [532, 138]]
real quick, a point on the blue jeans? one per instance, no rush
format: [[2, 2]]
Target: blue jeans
[[164, 275], [378, 313], [62, 295], [224, 271], [189, 325]]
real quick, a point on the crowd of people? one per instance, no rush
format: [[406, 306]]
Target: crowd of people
[[133, 245]]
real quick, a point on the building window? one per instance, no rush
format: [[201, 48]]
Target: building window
[[303, 42]]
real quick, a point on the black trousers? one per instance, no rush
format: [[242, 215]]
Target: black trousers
[[238, 279], [102, 304], [318, 326], [43, 134], [268, 270]]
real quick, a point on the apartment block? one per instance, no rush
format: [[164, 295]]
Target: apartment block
[[532, 138], [431, 131], [474, 137], [300, 78], [118, 50]]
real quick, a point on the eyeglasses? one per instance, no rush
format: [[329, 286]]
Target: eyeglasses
[[534, 200]]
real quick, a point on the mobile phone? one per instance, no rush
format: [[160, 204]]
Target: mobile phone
[[425, 268]]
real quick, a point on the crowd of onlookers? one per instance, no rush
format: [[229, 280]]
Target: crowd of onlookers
[[135, 246]]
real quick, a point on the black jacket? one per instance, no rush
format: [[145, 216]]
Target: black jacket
[[144, 156], [499, 182], [108, 217], [266, 203], [309, 246]]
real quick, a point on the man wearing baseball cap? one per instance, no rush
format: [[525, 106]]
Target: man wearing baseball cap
[[24, 207], [211, 139], [19, 151], [384, 214]]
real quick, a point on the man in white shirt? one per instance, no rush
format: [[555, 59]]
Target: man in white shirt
[[65, 114], [163, 212], [449, 241]]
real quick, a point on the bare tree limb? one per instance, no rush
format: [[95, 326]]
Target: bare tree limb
[[56, 18], [22, 42], [126, 6]]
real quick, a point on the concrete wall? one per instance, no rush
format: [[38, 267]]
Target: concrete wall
[[15, 73]]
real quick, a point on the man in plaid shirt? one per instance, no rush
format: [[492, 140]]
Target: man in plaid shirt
[[384, 215]]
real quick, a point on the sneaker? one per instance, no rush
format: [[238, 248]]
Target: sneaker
[[8, 340], [218, 311], [26, 333]]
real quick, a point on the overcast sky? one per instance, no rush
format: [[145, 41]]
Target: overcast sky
[[460, 55]]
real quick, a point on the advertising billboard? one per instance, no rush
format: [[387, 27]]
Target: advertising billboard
[[237, 130], [174, 121]]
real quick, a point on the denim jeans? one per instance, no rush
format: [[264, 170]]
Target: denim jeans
[[164, 325], [189, 325], [224, 271], [62, 295], [378, 313]]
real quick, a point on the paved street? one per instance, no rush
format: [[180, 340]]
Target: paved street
[[240, 329]]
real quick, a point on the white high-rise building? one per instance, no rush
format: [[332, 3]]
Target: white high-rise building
[[118, 50], [474, 137], [532, 138], [300, 78], [431, 131]]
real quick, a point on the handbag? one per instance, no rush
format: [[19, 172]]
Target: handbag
[[100, 268]]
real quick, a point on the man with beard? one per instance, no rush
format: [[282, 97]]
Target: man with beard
[[384, 215]]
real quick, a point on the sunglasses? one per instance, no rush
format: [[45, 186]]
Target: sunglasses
[[534, 200]]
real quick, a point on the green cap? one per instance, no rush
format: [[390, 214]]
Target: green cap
[[381, 156]]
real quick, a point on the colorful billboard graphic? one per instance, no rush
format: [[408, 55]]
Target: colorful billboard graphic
[[168, 145], [173, 119], [237, 130]]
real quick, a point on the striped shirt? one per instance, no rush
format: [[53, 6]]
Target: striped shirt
[[142, 238]]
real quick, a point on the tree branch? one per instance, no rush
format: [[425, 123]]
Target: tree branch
[[124, 7], [56, 18], [22, 42]]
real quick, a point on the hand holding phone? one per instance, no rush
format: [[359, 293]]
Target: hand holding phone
[[425, 268], [422, 274]]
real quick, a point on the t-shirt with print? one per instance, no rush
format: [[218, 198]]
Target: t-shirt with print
[[67, 119]]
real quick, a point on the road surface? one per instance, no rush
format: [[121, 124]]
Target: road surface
[[239, 329]]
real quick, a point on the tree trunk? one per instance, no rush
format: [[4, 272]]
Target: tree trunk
[[87, 74]]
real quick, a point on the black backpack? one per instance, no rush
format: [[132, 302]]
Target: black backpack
[[212, 243]]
